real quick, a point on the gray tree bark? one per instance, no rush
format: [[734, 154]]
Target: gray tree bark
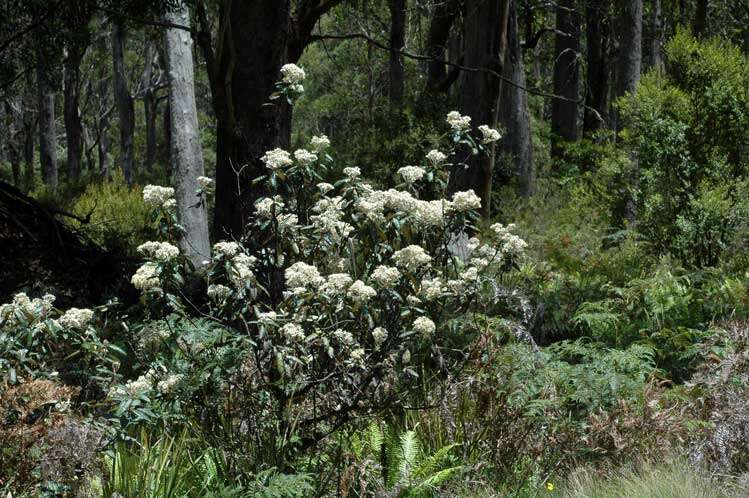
[[47, 132], [596, 97], [187, 156], [73, 122], [12, 144], [150, 106], [514, 114], [123, 99]]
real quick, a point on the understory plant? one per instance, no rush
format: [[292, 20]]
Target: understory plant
[[333, 308]]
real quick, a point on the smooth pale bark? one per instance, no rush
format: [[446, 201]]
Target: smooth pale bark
[[397, 42], [72, 115], [123, 100], [485, 43], [47, 131], [597, 96], [187, 155], [514, 115], [658, 40], [150, 106], [566, 76]]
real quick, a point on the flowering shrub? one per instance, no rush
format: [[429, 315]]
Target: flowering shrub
[[340, 307]]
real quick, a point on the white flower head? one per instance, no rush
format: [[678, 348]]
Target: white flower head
[[386, 276], [276, 158], [436, 157], [146, 277], [352, 172], [204, 182], [293, 332], [359, 292], [226, 249], [411, 258], [489, 135], [458, 122], [465, 201], [380, 335], [304, 157], [336, 283], [424, 325], [325, 187], [160, 251], [218, 292], [301, 274], [319, 143], [411, 174], [154, 195], [431, 289], [76, 318], [266, 207], [291, 74]]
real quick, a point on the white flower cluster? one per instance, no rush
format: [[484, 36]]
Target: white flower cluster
[[276, 158], [76, 318], [509, 243], [432, 289], [424, 326], [336, 283], [458, 122], [293, 332], [154, 195], [300, 276], [304, 157], [291, 74], [411, 258], [359, 292], [204, 182], [411, 174], [489, 135], [352, 172], [386, 276], [266, 207], [325, 187], [167, 385], [426, 214], [380, 335], [159, 251], [465, 201], [319, 143], [35, 309], [436, 157], [218, 292], [226, 249], [329, 219], [146, 278]]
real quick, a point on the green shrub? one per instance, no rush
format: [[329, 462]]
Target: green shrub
[[118, 217]]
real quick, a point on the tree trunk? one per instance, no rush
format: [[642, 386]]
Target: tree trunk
[[73, 123], [167, 148], [630, 48], [440, 25], [596, 98], [150, 104], [656, 54], [124, 100], [12, 142], [700, 19], [485, 29], [566, 76], [102, 128], [187, 154], [397, 42], [47, 131], [514, 114], [29, 132]]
